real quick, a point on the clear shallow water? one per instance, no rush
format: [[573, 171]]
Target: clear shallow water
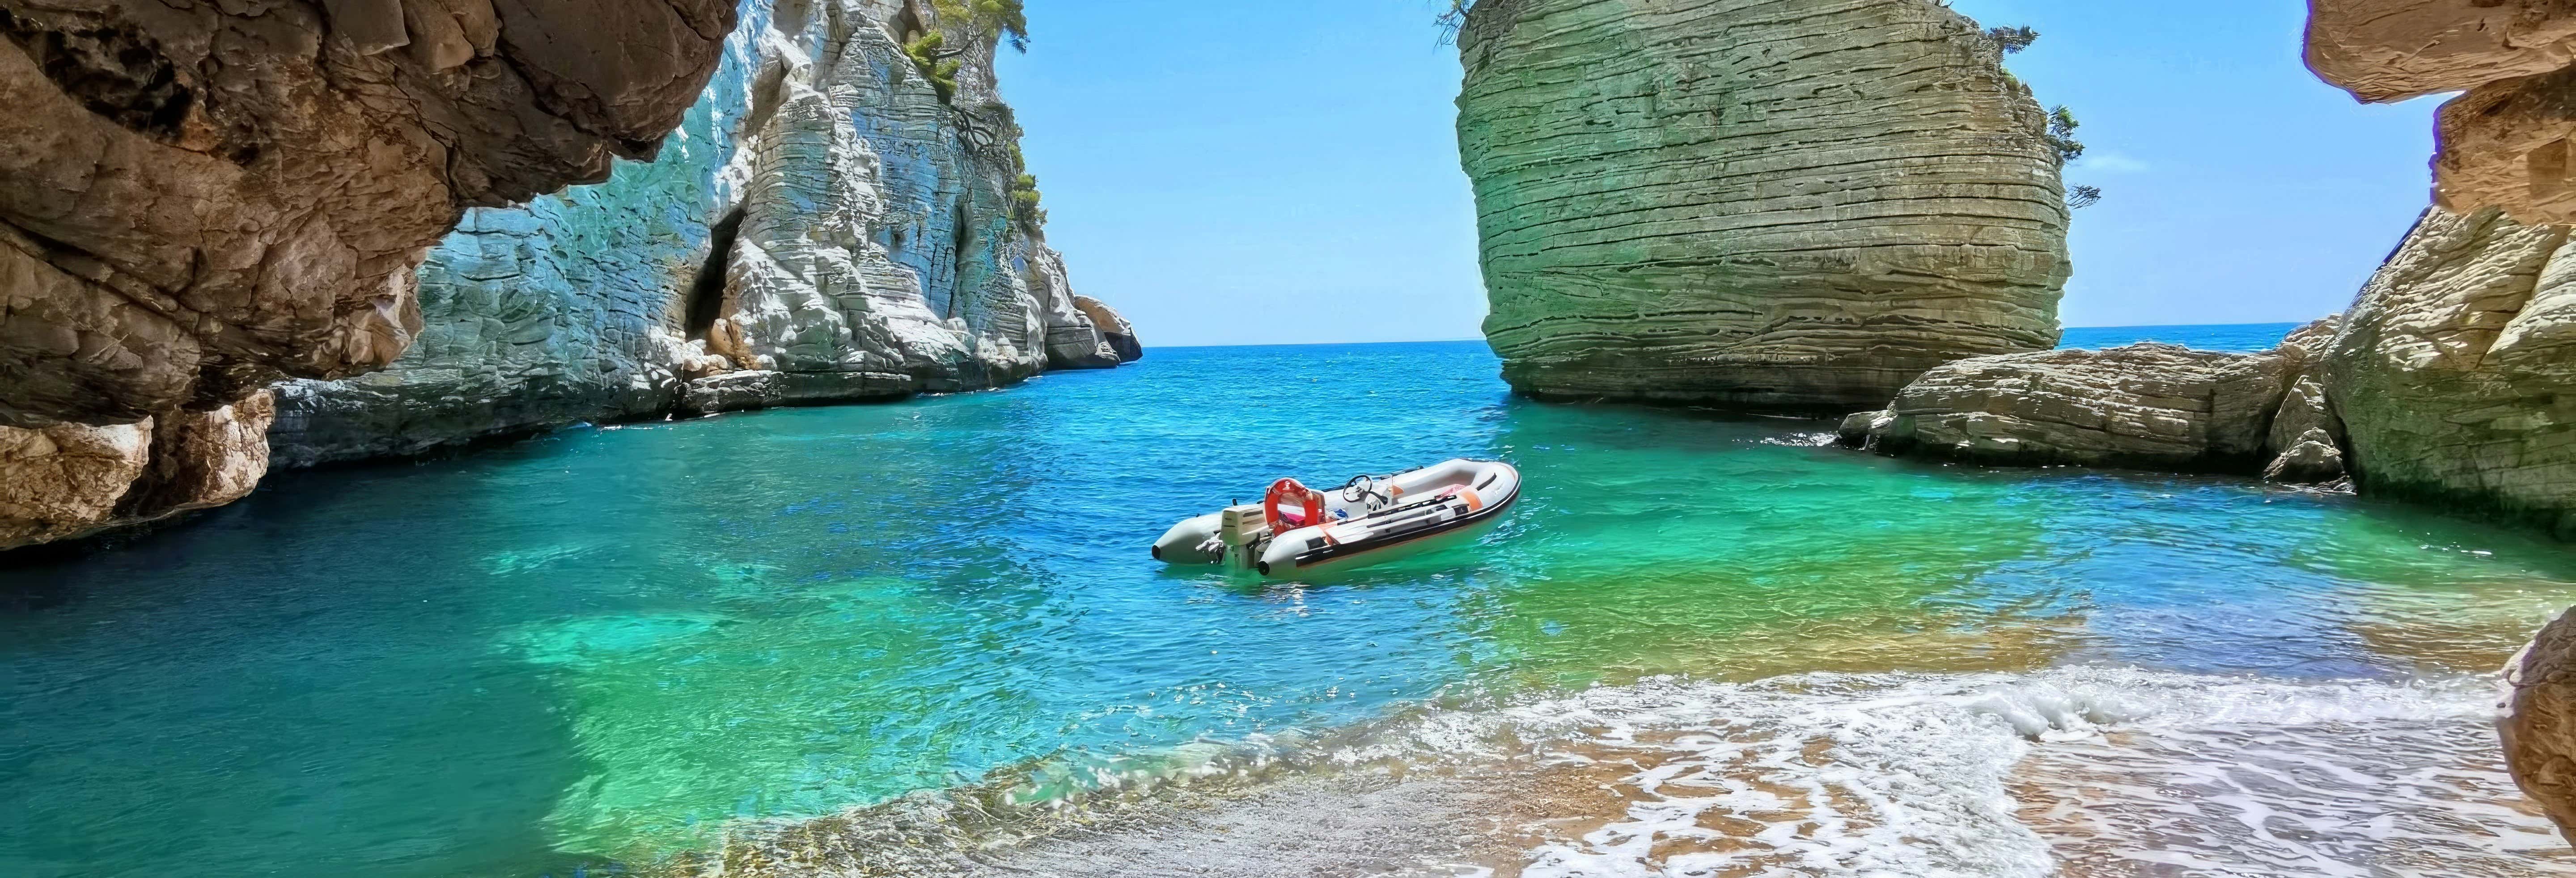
[[606, 644]]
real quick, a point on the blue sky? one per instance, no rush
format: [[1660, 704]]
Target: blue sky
[[1249, 173]]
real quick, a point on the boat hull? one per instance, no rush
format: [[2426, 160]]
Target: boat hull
[[1366, 522]]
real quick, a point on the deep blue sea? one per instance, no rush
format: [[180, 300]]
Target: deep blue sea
[[607, 646]]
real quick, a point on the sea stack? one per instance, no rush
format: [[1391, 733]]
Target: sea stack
[[1763, 204]]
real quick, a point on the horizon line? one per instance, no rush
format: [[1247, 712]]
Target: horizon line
[[1317, 344]]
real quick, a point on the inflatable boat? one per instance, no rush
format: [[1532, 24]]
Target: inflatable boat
[[1297, 530]]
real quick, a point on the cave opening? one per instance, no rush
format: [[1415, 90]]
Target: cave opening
[[707, 291], [963, 244]]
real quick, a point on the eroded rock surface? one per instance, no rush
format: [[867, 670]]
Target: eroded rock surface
[[2455, 375], [825, 227], [195, 198], [2537, 721], [73, 480], [198, 198], [1757, 203], [2149, 405], [1113, 328], [2505, 143], [2391, 50]]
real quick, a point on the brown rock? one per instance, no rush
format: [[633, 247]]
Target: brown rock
[[2536, 720], [72, 480], [2504, 143], [2391, 50], [64, 481], [2155, 406], [2306, 442], [197, 197]]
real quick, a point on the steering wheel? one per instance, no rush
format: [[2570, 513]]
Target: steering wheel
[[1362, 487]]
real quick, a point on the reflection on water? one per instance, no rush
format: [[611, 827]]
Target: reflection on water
[[622, 643]]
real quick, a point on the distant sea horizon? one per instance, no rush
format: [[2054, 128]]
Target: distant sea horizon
[[2207, 336]]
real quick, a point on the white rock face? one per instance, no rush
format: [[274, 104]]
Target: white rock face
[[824, 227]]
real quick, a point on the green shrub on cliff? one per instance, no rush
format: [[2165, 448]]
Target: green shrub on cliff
[[1024, 201], [1004, 17], [936, 63], [1453, 19], [2061, 133], [2012, 39]]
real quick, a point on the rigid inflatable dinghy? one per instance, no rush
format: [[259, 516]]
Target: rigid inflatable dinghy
[[1369, 519]]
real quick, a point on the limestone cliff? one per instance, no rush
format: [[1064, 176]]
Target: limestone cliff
[[198, 198], [827, 225], [1763, 203], [2506, 142], [2455, 372]]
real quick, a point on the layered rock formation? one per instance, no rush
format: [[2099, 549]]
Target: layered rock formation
[[826, 226], [1760, 203], [2153, 406], [2456, 372], [198, 198], [2506, 142]]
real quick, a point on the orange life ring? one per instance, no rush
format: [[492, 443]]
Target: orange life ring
[[1280, 491]]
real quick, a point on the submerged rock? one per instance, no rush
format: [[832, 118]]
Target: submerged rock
[[1760, 203], [827, 226], [2149, 405], [2455, 373]]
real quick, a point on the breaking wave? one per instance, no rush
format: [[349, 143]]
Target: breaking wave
[[2073, 771]]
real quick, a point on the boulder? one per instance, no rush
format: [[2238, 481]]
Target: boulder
[[2148, 406], [72, 480], [2307, 437], [825, 227], [316, 150], [1785, 204], [2536, 720]]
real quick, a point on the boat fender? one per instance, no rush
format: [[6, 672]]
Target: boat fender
[[1287, 489]]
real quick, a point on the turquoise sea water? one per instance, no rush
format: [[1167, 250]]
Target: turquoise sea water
[[2228, 337], [603, 645]]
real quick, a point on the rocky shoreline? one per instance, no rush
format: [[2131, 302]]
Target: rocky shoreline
[[840, 212]]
